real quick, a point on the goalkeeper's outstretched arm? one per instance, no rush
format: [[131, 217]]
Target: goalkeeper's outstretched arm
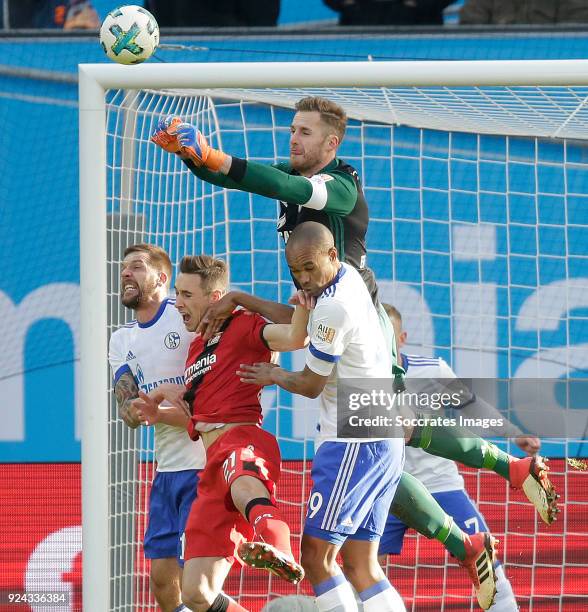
[[335, 193]]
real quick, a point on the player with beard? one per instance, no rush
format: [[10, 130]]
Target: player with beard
[[235, 512], [147, 352]]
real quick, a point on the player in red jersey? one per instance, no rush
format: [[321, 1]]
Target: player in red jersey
[[235, 510]]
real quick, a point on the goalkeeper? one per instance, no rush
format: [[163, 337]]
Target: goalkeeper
[[313, 186]]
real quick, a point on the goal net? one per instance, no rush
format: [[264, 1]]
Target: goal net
[[476, 178]]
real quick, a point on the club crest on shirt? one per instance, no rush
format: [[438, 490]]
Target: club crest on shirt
[[325, 333], [322, 178], [139, 375], [214, 340], [172, 340]]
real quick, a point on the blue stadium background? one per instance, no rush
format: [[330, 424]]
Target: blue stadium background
[[39, 225]]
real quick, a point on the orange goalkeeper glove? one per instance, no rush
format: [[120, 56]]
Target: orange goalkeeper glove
[[165, 135], [195, 148]]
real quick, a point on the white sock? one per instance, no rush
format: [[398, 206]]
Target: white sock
[[382, 597], [335, 595], [505, 600]]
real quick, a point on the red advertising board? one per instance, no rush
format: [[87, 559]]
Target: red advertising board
[[40, 544]]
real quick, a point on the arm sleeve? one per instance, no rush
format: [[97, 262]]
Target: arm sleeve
[[262, 179], [328, 338], [253, 325], [116, 358], [216, 178], [335, 192]]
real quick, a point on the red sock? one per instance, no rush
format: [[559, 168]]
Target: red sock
[[270, 526]]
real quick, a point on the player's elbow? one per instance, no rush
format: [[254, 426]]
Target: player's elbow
[[298, 341], [312, 390], [289, 342]]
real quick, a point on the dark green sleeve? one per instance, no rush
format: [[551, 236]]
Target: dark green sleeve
[[216, 178], [341, 194], [270, 181], [275, 182]]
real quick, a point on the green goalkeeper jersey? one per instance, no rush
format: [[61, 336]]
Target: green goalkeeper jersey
[[332, 197]]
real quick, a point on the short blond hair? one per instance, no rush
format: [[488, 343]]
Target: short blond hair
[[392, 312], [213, 273], [331, 113]]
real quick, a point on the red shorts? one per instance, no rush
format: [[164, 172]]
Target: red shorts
[[215, 527]]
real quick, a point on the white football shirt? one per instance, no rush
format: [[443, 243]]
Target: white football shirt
[[436, 473], [346, 342], [155, 353]]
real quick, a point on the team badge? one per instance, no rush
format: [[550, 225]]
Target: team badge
[[214, 340], [139, 375], [172, 340]]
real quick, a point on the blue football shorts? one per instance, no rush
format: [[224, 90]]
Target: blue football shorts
[[170, 500], [455, 503], [353, 487]]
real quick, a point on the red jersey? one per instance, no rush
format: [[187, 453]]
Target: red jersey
[[215, 393]]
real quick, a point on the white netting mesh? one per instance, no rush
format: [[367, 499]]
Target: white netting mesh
[[480, 240], [552, 112]]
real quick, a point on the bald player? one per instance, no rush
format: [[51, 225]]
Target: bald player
[[354, 479]]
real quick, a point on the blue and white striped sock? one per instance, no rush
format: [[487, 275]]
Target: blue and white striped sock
[[335, 595], [382, 597]]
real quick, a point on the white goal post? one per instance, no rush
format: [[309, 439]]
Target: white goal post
[[531, 98]]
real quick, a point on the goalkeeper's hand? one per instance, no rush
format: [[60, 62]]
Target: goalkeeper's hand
[[165, 135], [195, 147]]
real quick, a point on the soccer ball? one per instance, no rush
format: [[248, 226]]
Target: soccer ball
[[292, 603], [129, 34]]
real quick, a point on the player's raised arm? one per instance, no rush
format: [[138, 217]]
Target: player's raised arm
[[218, 312], [335, 192], [290, 336]]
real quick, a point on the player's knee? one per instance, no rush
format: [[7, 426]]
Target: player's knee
[[164, 586], [314, 560], [197, 596], [357, 570]]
